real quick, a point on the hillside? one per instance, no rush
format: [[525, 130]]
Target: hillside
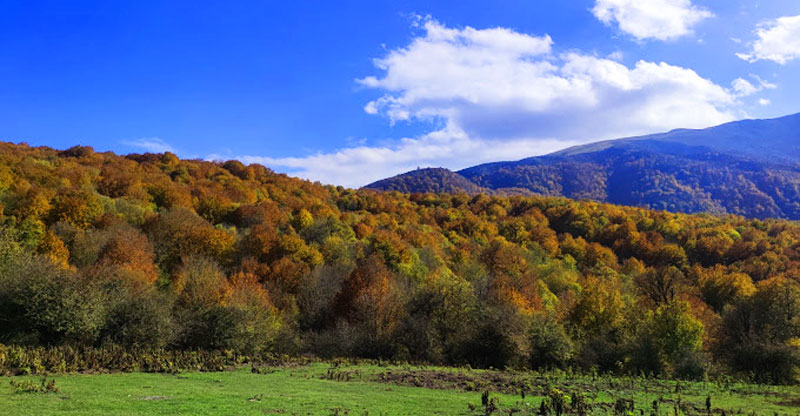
[[749, 168], [153, 253], [437, 180]]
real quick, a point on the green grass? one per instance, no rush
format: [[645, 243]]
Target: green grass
[[307, 390]]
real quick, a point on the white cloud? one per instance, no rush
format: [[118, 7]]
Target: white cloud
[[504, 95], [764, 102], [778, 41], [651, 19], [616, 56], [534, 94], [448, 147], [764, 84], [744, 88], [150, 144]]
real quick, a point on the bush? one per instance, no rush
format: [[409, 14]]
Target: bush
[[140, 319], [759, 334], [499, 339], [16, 360], [215, 313], [669, 341], [551, 347], [338, 341], [42, 304], [439, 317]]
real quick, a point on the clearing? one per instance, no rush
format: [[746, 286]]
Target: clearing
[[374, 389]]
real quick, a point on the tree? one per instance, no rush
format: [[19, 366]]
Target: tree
[[551, 346], [597, 324], [127, 249], [54, 249], [759, 332], [661, 285], [439, 318], [670, 342], [180, 232], [44, 304], [371, 299], [720, 287], [499, 340], [79, 208], [258, 325], [199, 282], [138, 318]]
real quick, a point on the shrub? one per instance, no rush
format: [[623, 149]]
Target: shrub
[[41, 303], [759, 334], [499, 339], [138, 319], [669, 341], [551, 347]]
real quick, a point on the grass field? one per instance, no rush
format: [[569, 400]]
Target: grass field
[[326, 389]]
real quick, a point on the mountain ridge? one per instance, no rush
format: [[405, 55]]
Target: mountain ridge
[[746, 167]]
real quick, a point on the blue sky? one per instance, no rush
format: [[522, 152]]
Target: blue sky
[[352, 91]]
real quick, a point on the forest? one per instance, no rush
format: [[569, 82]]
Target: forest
[[148, 252]]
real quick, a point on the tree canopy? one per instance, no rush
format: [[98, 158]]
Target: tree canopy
[[148, 250]]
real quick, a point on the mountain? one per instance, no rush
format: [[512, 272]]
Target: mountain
[[749, 168]]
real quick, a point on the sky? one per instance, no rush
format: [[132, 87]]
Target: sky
[[350, 92]]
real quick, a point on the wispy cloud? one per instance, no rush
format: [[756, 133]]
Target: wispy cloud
[[150, 144], [744, 88]]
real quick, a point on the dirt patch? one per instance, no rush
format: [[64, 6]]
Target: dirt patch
[[794, 402], [154, 398], [443, 380]]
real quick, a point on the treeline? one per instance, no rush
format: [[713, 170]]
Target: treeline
[[149, 252]]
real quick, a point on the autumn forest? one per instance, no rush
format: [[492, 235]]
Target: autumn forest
[[151, 252]]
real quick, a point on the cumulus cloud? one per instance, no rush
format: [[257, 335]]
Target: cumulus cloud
[[504, 95], [778, 41], [651, 19], [533, 93], [150, 144]]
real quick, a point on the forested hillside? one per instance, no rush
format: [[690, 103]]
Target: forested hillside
[[149, 251], [749, 168], [434, 180]]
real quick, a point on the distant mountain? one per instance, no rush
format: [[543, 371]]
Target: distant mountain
[[773, 140], [749, 168]]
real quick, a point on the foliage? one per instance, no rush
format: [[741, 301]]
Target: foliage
[[27, 386], [150, 252], [15, 360]]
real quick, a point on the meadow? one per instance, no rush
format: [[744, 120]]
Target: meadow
[[346, 388]]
